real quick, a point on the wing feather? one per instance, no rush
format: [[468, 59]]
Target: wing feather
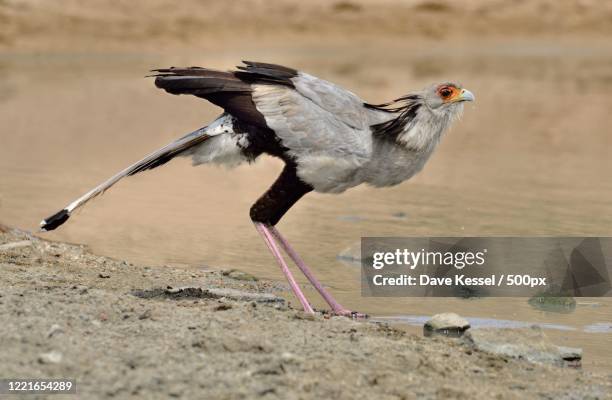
[[324, 127]]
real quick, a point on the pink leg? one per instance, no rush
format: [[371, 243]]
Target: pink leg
[[269, 239], [336, 307]]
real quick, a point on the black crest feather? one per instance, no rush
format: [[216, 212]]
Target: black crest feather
[[406, 107]]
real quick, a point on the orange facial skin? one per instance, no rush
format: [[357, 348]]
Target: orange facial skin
[[448, 93]]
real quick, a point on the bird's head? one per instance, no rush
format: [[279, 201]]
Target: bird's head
[[439, 106], [418, 120], [446, 98]]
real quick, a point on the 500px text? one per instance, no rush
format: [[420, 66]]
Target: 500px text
[[459, 280]]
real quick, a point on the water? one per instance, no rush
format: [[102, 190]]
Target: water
[[475, 323], [531, 157]]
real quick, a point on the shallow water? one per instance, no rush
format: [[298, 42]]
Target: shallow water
[[475, 323], [531, 157]]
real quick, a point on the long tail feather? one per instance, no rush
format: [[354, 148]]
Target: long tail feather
[[153, 160]]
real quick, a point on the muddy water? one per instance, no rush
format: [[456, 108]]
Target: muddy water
[[530, 157]]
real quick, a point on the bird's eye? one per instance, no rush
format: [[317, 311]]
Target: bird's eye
[[445, 92]]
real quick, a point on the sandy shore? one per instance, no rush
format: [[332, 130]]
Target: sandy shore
[[125, 330]]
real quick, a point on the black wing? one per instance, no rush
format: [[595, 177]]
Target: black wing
[[229, 90]]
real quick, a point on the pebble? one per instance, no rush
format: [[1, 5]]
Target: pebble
[[81, 288], [52, 357], [239, 275], [304, 315], [55, 329], [145, 315], [223, 307], [446, 324]]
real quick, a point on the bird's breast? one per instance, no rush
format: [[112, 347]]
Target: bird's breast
[[392, 164], [388, 165]]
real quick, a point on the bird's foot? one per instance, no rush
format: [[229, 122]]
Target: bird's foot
[[349, 314]]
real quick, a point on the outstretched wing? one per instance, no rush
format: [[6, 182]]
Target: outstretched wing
[[313, 113], [325, 128], [224, 89]]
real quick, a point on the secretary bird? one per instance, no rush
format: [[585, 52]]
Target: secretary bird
[[329, 139]]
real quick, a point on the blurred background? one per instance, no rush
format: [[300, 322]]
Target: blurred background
[[531, 157]]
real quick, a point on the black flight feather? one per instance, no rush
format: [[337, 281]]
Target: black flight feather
[[255, 72], [228, 90]]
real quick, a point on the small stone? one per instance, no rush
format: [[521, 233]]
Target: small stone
[[446, 324], [223, 307], [304, 315], [571, 356], [81, 288], [239, 275], [477, 370], [55, 329], [53, 357], [290, 358], [103, 276], [145, 315]]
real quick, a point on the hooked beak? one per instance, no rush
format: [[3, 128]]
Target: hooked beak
[[465, 95]]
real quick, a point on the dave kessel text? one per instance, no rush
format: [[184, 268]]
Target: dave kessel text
[[459, 280]]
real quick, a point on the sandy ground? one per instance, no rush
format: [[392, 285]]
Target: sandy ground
[[122, 330]]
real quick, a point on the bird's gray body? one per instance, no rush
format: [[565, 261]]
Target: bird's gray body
[[327, 130]]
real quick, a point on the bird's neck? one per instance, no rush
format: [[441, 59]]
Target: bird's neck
[[424, 131]]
